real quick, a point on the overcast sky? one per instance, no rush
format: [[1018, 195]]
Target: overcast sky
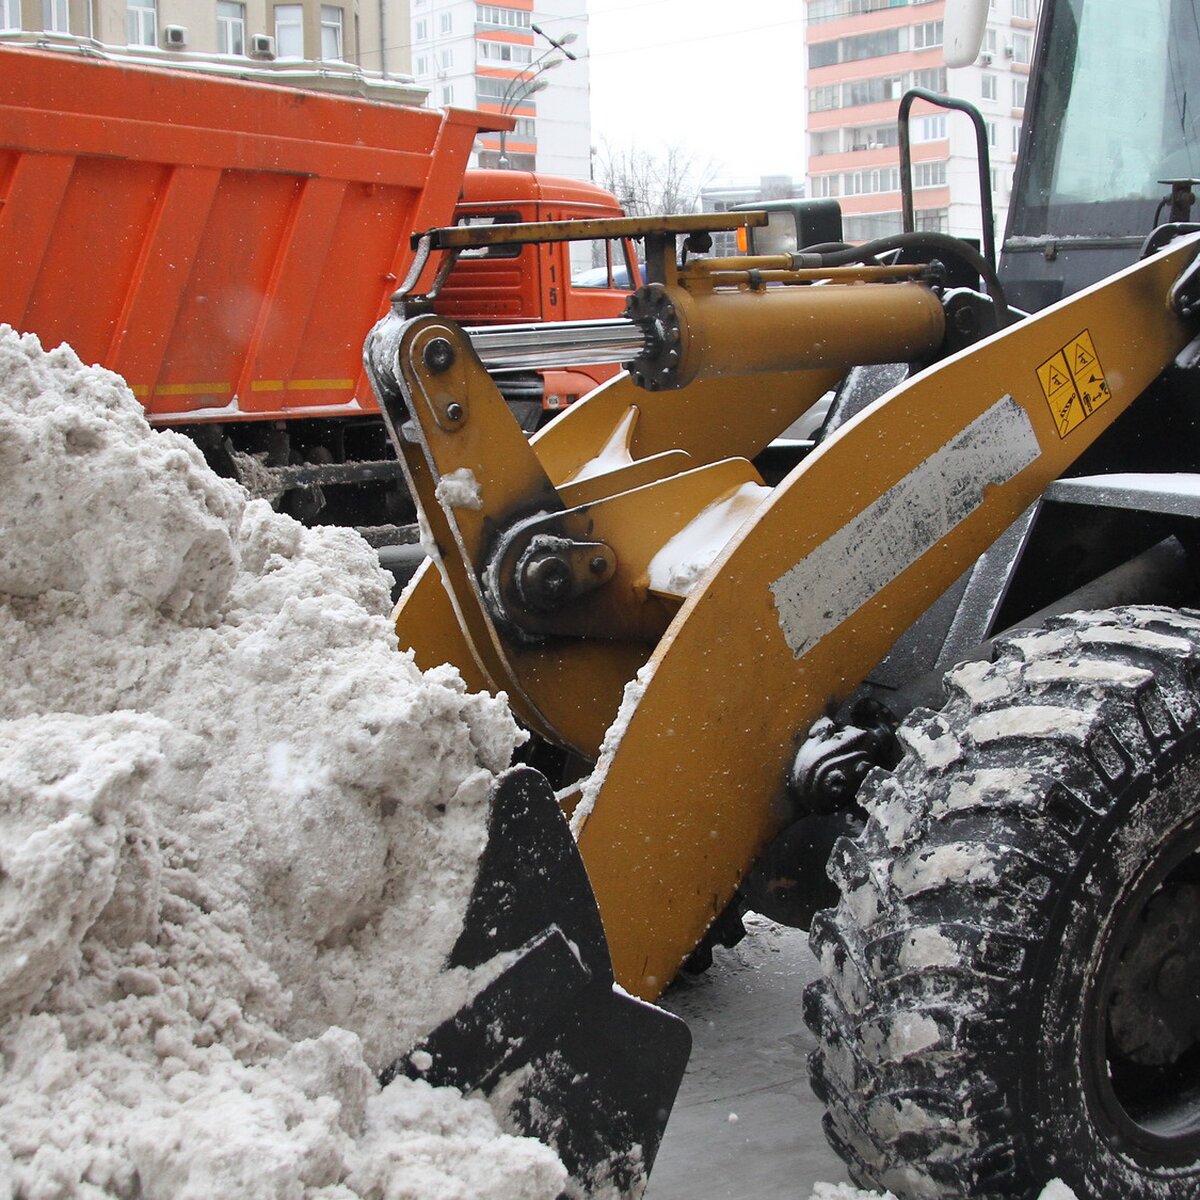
[[721, 80]]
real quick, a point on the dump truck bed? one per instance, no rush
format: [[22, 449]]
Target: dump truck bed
[[221, 244]]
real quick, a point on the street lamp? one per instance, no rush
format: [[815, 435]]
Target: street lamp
[[527, 81]]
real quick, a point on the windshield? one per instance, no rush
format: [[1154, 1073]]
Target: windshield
[[1116, 110]]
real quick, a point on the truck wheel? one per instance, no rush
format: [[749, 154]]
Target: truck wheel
[[1011, 978]]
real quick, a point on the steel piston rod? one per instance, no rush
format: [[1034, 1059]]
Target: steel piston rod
[[557, 344], [672, 336]]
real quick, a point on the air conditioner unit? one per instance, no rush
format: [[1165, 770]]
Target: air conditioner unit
[[262, 45], [1008, 50], [175, 37], [986, 58]]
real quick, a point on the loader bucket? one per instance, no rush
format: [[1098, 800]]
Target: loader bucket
[[563, 1053]]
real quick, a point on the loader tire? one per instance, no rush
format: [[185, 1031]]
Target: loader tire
[[1010, 986]]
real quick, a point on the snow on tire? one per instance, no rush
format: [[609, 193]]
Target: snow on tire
[[1011, 978]]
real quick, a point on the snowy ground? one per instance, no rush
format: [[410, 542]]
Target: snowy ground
[[746, 1122]]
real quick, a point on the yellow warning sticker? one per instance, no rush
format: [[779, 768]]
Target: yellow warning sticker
[[1073, 382]]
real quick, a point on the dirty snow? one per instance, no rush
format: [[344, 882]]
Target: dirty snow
[[630, 699], [1135, 639], [1054, 1190], [932, 742], [460, 489], [1097, 673], [677, 567], [958, 862], [928, 948], [1032, 721], [613, 455], [237, 834]]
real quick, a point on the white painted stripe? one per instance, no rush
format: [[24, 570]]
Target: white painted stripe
[[837, 578]]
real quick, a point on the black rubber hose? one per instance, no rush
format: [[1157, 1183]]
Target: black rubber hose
[[831, 254]]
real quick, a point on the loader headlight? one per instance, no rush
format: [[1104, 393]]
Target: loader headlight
[[777, 236]]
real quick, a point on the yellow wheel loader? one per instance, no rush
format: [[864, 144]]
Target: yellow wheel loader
[[931, 687]]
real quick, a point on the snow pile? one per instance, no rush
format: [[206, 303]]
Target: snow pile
[[237, 833]]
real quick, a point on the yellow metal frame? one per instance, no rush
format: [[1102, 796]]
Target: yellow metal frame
[[804, 599]]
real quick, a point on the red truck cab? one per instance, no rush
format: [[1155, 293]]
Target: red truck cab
[[559, 281]]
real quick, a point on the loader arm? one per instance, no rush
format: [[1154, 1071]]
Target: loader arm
[[814, 581]]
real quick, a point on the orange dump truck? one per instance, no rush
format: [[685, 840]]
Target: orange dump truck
[[226, 246]]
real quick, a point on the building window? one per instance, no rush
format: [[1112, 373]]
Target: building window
[[866, 137], [932, 129], [987, 87], [991, 133], [1022, 9], [331, 32], [869, 226], [504, 52], [1020, 91], [824, 142], [56, 17], [421, 30], [1016, 138], [929, 174], [446, 23], [932, 220], [871, 91], [865, 183], [928, 33], [853, 49], [824, 186], [831, 10], [421, 65], [289, 31], [501, 90], [1020, 48], [822, 99], [448, 93], [525, 129], [141, 22], [231, 27], [10, 14], [989, 42], [505, 18], [933, 79], [446, 59]]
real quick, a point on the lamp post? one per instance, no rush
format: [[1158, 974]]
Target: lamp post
[[528, 81]]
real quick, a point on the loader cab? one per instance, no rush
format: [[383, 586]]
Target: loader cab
[[1112, 122], [555, 281]]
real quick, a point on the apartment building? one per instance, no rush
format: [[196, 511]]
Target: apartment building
[[524, 58], [862, 56], [371, 34]]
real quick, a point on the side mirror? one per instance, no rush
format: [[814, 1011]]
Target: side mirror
[[963, 27]]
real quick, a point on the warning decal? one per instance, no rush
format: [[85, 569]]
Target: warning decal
[[1073, 382]]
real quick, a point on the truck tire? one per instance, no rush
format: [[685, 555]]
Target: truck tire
[[1010, 986]]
